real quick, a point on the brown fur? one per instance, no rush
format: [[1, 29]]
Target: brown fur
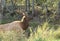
[[16, 25]]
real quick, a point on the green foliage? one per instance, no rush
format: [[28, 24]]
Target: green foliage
[[43, 33], [33, 24], [11, 36], [46, 32]]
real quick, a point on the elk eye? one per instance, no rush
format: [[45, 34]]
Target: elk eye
[[24, 18]]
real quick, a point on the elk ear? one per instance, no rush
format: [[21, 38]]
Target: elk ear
[[22, 18], [25, 14]]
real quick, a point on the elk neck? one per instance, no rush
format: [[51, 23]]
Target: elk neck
[[24, 23]]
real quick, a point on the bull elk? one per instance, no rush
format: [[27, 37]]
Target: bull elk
[[17, 25]]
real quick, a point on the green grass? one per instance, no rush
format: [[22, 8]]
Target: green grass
[[11, 36], [43, 33]]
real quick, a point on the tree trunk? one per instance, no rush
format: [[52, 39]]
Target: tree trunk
[[58, 14], [12, 4], [32, 7], [1, 10], [59, 8], [28, 6]]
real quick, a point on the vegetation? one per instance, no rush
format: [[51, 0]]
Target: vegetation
[[45, 25], [43, 33]]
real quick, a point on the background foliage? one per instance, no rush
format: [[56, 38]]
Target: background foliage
[[45, 26]]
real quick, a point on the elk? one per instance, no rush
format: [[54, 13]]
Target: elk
[[17, 25]]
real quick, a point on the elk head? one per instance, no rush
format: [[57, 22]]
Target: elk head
[[25, 21]]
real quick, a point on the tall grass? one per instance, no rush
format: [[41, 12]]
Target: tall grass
[[43, 33], [11, 36]]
